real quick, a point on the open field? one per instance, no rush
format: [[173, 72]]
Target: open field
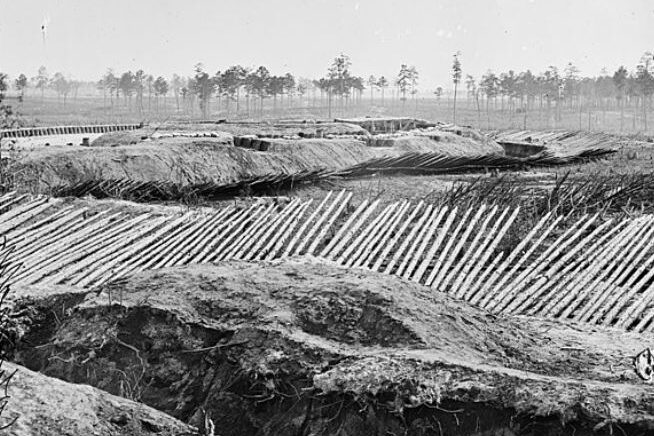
[[312, 276], [93, 109]]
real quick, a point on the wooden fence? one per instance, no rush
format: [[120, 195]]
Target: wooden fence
[[591, 271]]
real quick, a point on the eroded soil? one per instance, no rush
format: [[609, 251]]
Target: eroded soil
[[307, 347]]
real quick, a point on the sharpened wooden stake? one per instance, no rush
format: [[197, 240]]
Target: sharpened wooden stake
[[440, 266], [424, 239], [303, 227], [604, 299], [359, 244], [513, 288], [377, 242], [327, 251], [389, 247], [292, 223], [305, 241], [554, 274], [487, 249], [489, 294], [314, 245], [270, 249], [463, 265], [262, 237], [400, 253], [442, 233]]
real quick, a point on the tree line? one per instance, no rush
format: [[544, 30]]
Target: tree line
[[551, 93], [42, 81], [522, 95], [235, 89]]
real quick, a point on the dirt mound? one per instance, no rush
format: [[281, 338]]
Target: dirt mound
[[198, 156], [185, 161], [115, 139], [306, 347], [44, 406]]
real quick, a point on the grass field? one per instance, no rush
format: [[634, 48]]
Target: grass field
[[93, 109]]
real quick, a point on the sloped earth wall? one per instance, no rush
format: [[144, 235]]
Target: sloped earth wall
[[40, 405], [306, 347], [196, 160]]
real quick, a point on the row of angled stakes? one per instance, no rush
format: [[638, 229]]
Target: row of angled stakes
[[570, 139], [592, 271], [65, 130]]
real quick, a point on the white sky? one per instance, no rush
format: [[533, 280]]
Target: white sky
[[85, 37]]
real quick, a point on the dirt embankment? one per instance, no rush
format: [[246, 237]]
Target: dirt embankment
[[188, 160], [184, 162], [306, 347]]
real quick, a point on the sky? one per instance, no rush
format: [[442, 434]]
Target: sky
[[83, 38]]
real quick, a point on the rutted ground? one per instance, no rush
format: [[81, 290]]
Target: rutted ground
[[306, 347]]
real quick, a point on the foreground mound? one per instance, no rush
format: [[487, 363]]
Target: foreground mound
[[302, 347], [45, 406]]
